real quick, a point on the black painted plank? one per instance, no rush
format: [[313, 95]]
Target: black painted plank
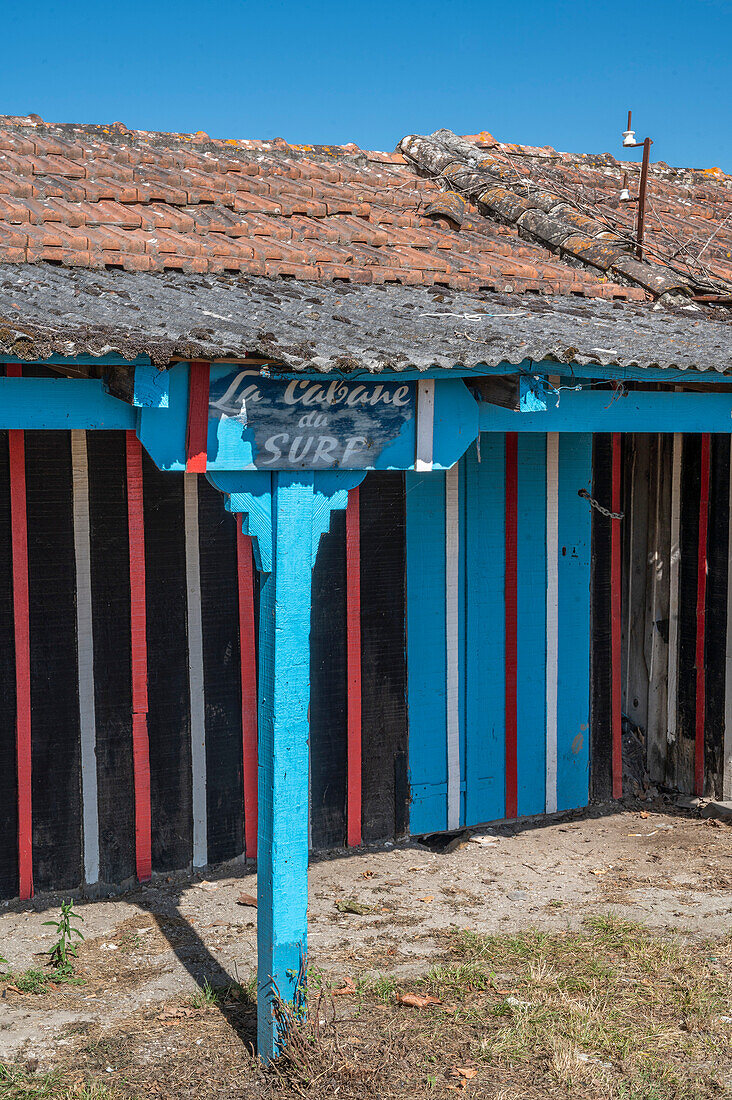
[[681, 752], [716, 614], [383, 656], [55, 734], [221, 674], [110, 585], [169, 722], [328, 688], [601, 740], [8, 771]]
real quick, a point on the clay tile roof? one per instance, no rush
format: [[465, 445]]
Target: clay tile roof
[[467, 213], [443, 216]]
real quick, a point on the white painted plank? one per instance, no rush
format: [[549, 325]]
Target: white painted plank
[[85, 658], [727, 759], [425, 424], [452, 637], [195, 672], [673, 617], [552, 615]]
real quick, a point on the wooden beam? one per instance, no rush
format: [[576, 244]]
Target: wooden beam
[[673, 612], [552, 615], [284, 694], [248, 669], [452, 642], [85, 646], [138, 641], [615, 619], [195, 672], [510, 623], [701, 596], [197, 429], [353, 648], [425, 424], [21, 626]]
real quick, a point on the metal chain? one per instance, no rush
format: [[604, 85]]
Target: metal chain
[[596, 504]]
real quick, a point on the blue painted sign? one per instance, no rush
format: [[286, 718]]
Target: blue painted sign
[[307, 424]]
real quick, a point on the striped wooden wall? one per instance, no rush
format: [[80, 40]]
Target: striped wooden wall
[[127, 699], [498, 631], [676, 632], [128, 604]]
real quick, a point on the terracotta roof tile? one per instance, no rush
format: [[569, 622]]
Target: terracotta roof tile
[[512, 218]]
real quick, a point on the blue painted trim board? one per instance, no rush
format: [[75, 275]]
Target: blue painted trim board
[[531, 623], [484, 666], [573, 680], [596, 411], [426, 663], [60, 404], [284, 695]]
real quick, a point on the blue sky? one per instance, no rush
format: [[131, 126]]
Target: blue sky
[[562, 74]]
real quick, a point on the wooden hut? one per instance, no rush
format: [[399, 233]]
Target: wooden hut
[[346, 495]]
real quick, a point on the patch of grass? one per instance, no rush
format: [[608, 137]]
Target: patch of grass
[[382, 987], [207, 996], [130, 942], [210, 996], [17, 1083], [32, 980], [613, 1011]]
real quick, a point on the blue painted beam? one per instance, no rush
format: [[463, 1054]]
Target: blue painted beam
[[426, 656], [151, 387], [286, 513], [485, 648], [531, 624], [599, 411], [284, 694], [60, 404], [573, 670]]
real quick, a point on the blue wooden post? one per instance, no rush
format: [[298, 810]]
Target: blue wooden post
[[284, 696], [286, 513]]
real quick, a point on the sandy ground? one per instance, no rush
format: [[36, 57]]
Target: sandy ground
[[665, 868]]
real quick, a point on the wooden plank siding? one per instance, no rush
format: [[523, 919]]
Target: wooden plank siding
[[444, 657]]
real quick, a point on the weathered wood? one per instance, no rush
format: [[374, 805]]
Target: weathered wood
[[353, 632], [452, 642], [552, 616], [636, 523], [85, 646], [196, 691], [656, 632], [716, 617], [601, 689]]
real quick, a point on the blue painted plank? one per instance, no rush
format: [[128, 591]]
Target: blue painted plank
[[573, 681], [162, 432], [284, 695], [61, 404], [531, 623], [151, 387], [426, 663], [485, 678], [638, 411], [463, 638]]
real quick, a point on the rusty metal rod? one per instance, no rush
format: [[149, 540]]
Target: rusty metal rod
[[642, 197]]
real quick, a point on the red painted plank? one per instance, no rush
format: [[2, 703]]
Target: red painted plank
[[138, 640], [248, 666], [511, 611], [701, 617], [197, 431], [615, 624], [353, 642], [21, 613]]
